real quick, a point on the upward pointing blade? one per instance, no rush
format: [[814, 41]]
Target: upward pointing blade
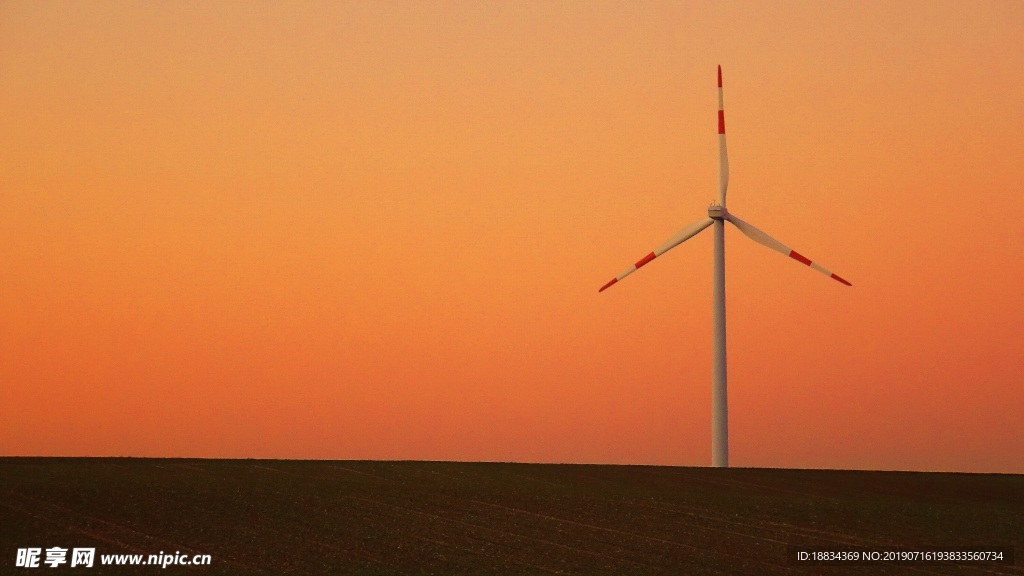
[[723, 154], [677, 239], [761, 238]]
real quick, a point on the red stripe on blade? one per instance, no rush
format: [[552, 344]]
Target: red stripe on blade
[[603, 288], [799, 258], [719, 76], [721, 121], [645, 260], [834, 277]]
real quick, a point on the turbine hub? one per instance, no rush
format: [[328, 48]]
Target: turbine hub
[[717, 212]]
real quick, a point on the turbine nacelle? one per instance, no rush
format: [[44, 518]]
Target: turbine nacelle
[[717, 212]]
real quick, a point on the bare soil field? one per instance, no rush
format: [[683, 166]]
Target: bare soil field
[[397, 518]]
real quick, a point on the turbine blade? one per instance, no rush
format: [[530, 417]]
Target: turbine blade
[[723, 153], [761, 238], [676, 239]]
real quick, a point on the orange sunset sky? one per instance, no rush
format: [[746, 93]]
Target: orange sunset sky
[[376, 230]]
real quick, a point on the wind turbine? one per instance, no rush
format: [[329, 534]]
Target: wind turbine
[[717, 216]]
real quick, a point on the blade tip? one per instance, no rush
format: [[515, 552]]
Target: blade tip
[[719, 75], [836, 277], [606, 286]]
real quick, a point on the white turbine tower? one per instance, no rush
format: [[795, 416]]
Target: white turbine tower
[[717, 216]]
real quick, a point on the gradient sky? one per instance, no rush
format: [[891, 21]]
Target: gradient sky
[[376, 230]]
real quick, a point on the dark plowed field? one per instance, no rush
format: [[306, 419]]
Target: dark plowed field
[[348, 517]]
